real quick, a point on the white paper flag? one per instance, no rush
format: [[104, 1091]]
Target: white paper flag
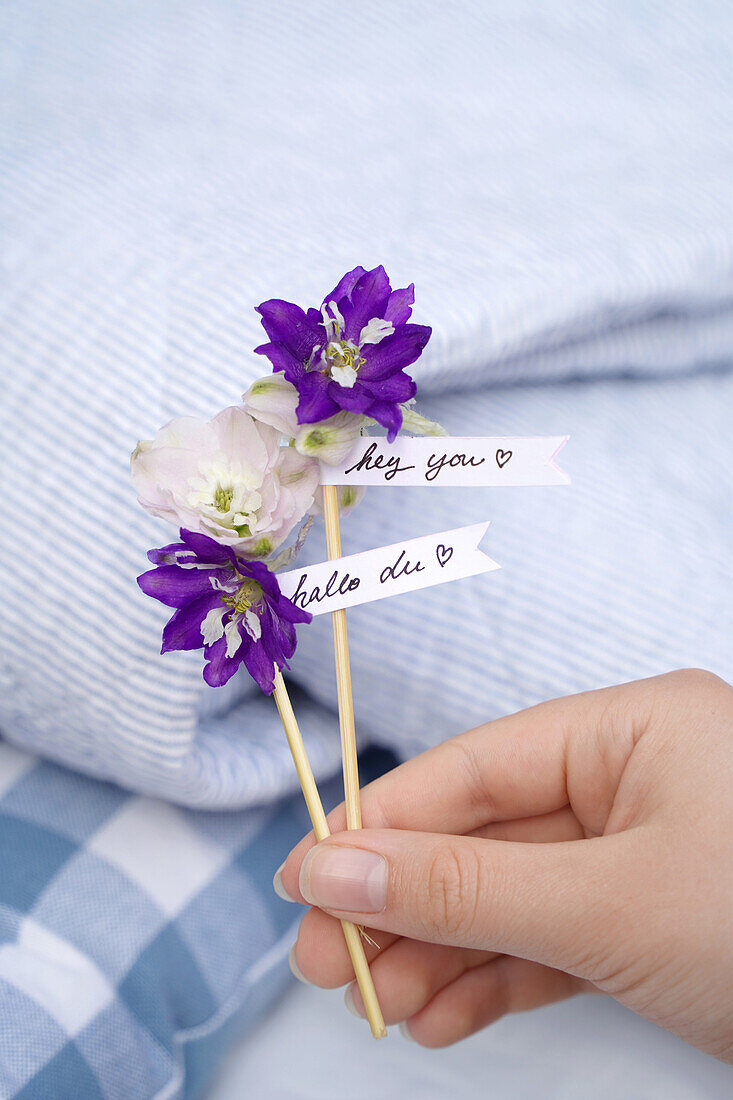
[[388, 570], [451, 460]]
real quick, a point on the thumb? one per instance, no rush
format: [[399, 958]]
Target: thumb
[[559, 904]]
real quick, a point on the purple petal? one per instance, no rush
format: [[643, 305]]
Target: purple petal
[[260, 667], [219, 668], [286, 609], [397, 388], [282, 359], [369, 299], [160, 554], [389, 416], [399, 306], [183, 631], [175, 586], [357, 399], [345, 285], [286, 323], [278, 637], [207, 550], [266, 579], [395, 352], [315, 403]]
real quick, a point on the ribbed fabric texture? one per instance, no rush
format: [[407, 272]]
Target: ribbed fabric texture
[[557, 183]]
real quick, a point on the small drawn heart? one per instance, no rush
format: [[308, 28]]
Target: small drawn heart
[[443, 554], [502, 457]]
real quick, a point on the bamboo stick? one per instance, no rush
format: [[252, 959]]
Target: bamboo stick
[[343, 670], [321, 829]]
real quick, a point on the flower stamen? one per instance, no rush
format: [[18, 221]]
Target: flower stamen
[[341, 361], [247, 595], [223, 499]]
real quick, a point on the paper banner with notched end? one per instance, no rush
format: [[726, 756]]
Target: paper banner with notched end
[[451, 460], [388, 570]]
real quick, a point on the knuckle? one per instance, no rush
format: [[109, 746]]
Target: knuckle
[[453, 883], [464, 1021], [694, 679], [502, 988], [378, 813], [693, 696], [468, 767], [422, 988]]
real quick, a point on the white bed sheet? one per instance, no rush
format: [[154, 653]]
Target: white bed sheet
[[310, 1048]]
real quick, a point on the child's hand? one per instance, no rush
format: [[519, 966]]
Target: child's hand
[[583, 845]]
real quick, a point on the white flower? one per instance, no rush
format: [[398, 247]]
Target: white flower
[[330, 440], [228, 478], [416, 424], [348, 497], [274, 401]]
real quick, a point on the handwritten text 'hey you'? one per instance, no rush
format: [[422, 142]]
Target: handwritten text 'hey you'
[[451, 460]]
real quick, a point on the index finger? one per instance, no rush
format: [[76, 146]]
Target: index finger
[[520, 766]]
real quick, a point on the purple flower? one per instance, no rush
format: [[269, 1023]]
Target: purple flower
[[352, 353], [233, 608]]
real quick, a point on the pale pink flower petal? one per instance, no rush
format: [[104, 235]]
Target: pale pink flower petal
[[227, 478], [273, 400]]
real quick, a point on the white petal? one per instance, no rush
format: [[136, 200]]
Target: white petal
[[240, 439], [252, 625], [348, 497], [344, 376], [273, 400], [279, 561], [219, 586], [233, 637], [176, 475], [330, 440], [212, 628], [375, 330], [330, 314], [328, 323], [416, 424], [187, 432], [143, 445]]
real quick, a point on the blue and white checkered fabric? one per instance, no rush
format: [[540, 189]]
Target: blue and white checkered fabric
[[136, 939]]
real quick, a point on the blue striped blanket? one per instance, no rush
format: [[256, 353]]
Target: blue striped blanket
[[556, 179]]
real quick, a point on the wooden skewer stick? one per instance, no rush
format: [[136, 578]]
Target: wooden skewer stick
[[321, 829], [343, 670]]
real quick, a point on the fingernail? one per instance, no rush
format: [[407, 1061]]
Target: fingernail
[[348, 879], [297, 972], [404, 1032], [277, 885], [349, 1002]]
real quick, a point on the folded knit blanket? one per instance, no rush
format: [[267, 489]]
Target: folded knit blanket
[[556, 180], [557, 183]]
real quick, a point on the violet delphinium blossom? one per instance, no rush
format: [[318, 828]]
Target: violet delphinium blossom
[[232, 608], [352, 353]]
